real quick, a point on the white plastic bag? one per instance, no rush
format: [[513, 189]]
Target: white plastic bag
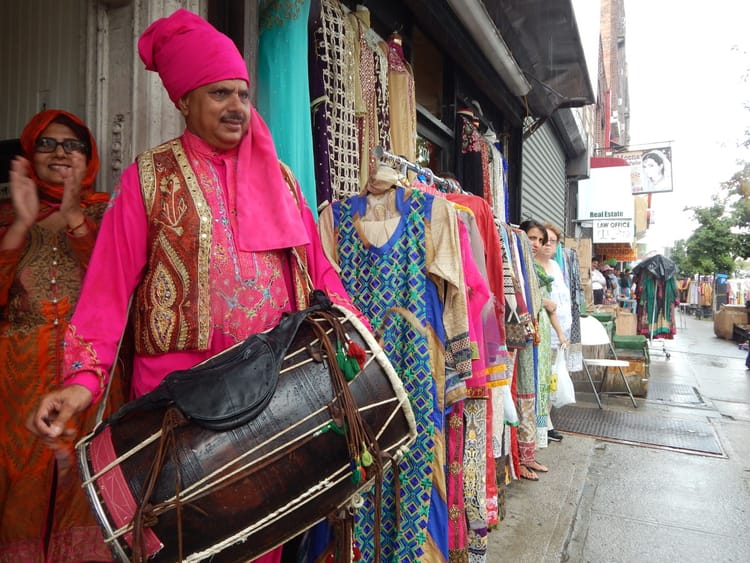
[[509, 407], [565, 394]]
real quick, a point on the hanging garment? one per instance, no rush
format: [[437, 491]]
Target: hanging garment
[[402, 101], [517, 318], [543, 359], [493, 254], [573, 270], [401, 271], [283, 88], [498, 183], [528, 400], [371, 91], [480, 500], [332, 96], [470, 160], [458, 529], [476, 471], [657, 299]]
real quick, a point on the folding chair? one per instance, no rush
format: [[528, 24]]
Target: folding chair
[[593, 333], [631, 346]]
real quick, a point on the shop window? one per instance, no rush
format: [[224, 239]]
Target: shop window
[[428, 74], [431, 80]]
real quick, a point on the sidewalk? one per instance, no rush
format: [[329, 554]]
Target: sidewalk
[[604, 501]]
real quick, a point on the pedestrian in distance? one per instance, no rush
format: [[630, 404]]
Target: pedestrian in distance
[[598, 282]]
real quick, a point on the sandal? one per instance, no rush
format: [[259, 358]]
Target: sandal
[[536, 466], [528, 474]]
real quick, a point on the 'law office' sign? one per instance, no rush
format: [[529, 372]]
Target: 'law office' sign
[[620, 230]]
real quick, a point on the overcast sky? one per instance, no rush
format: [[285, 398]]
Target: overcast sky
[[689, 86]]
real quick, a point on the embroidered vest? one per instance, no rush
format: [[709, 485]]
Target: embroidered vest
[[171, 308]]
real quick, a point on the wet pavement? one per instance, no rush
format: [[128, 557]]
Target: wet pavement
[[608, 501]]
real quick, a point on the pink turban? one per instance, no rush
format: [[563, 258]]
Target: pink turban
[[188, 52]]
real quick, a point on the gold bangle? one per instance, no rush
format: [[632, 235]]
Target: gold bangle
[[72, 230]]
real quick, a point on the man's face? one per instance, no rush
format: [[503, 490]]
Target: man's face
[[219, 113]]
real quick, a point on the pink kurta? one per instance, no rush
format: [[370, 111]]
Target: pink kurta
[[249, 294]]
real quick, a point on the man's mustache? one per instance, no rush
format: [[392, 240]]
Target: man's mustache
[[234, 117]]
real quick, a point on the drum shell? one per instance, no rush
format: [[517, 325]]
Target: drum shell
[[287, 461]]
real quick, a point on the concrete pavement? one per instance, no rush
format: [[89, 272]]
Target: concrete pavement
[[605, 502]]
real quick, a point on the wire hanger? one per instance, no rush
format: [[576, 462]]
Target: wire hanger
[[399, 162]]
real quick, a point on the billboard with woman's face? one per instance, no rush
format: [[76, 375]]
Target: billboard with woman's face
[[650, 170]]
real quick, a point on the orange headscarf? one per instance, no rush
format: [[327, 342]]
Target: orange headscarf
[[52, 194]]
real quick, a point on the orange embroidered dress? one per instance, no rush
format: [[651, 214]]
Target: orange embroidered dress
[[31, 335], [44, 515]]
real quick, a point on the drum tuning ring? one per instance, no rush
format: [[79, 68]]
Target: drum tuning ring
[[401, 453], [358, 501]]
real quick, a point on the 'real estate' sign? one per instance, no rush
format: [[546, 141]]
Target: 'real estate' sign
[[618, 230], [606, 194]]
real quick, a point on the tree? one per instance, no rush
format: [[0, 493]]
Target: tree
[[723, 235], [740, 184], [710, 249], [678, 255], [713, 245]]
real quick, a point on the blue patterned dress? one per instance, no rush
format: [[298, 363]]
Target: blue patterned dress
[[377, 279]]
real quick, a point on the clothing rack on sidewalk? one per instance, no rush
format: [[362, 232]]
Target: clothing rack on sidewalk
[[659, 272], [651, 337]]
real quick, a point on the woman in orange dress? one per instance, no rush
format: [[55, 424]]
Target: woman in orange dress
[[48, 227]]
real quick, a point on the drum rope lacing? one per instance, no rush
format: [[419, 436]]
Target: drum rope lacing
[[364, 450], [144, 516]]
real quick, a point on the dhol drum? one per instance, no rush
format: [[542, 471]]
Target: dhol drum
[[166, 488]]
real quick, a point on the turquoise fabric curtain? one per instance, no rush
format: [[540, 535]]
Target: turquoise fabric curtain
[[283, 87]]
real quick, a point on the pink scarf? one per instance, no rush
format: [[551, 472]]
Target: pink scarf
[[267, 213]]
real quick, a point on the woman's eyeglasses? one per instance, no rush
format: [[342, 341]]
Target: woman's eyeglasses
[[48, 144]]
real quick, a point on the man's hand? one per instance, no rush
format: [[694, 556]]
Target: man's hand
[[56, 409]]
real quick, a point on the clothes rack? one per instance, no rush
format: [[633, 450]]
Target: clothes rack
[[659, 271], [395, 161]]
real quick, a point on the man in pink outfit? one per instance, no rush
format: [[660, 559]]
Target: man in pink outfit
[[207, 233]]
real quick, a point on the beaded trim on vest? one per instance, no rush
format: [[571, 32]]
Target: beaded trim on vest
[[172, 303], [303, 285]]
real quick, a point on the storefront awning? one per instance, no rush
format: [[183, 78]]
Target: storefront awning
[[545, 41], [622, 252], [532, 46]]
